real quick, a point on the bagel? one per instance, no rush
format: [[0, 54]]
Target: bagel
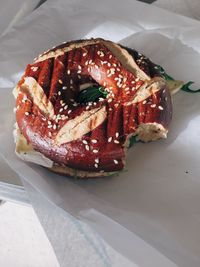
[[88, 139]]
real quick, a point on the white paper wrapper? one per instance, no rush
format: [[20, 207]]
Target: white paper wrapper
[[13, 10], [150, 213]]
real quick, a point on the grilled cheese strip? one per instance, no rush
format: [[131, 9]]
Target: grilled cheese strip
[[82, 124], [147, 89], [123, 56], [32, 89]]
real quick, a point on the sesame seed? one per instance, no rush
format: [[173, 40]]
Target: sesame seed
[[110, 56], [96, 165], [95, 151], [112, 70], [69, 111], [137, 79], [160, 107], [79, 67], [100, 53], [71, 81], [44, 119], [144, 102], [49, 126], [26, 113], [85, 142], [60, 81], [65, 107], [116, 141], [116, 161], [59, 92], [84, 54], [109, 139], [109, 100], [49, 122], [79, 77], [96, 160], [94, 141], [87, 147], [54, 126], [61, 110], [117, 134], [153, 105], [34, 68], [64, 87], [50, 134]]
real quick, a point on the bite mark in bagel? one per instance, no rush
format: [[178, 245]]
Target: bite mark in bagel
[[90, 138]]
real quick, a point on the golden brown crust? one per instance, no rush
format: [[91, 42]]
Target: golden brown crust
[[94, 145]]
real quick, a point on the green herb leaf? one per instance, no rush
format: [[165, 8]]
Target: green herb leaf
[[186, 88], [163, 73], [91, 94], [132, 141]]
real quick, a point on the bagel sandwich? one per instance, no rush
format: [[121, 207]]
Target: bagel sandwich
[[80, 105]]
